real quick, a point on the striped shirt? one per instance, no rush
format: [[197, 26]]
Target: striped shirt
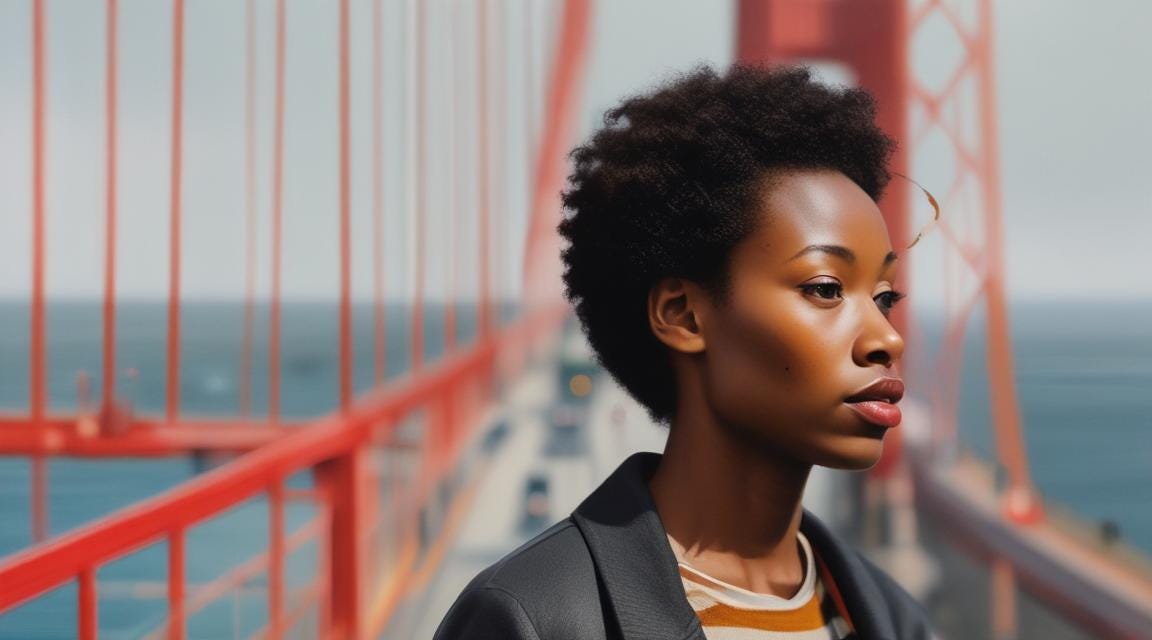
[[728, 612]]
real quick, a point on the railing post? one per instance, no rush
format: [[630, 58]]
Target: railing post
[[276, 558], [176, 585], [87, 604], [1003, 600], [341, 478]]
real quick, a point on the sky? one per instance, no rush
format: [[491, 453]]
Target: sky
[[1073, 120]]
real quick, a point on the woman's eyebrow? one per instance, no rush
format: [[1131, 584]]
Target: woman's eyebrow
[[843, 253]]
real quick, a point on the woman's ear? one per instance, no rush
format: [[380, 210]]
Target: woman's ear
[[674, 314]]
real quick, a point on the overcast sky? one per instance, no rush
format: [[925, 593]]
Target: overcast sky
[[1073, 112], [1076, 138]]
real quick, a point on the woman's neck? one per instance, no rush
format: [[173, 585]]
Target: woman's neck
[[733, 510]]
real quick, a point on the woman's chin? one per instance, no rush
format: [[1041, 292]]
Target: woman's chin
[[852, 454]]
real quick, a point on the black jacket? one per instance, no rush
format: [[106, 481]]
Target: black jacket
[[608, 572]]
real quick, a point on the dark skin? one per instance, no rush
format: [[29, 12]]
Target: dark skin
[[762, 380]]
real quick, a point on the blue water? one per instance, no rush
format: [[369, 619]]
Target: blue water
[[1084, 375], [81, 490], [1084, 385]]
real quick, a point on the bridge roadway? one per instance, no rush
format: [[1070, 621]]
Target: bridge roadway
[[617, 427]]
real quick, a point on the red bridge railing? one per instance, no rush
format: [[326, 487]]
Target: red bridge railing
[[339, 449], [381, 475]]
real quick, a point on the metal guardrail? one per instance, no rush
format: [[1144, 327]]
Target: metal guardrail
[[336, 448]]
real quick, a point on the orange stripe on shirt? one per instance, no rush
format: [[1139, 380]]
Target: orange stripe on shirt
[[805, 618]]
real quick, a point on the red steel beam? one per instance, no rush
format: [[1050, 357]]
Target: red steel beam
[[60, 436], [341, 476]]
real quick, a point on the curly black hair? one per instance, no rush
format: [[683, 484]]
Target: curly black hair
[[669, 185]]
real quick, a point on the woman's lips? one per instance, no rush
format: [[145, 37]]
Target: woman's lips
[[877, 412]]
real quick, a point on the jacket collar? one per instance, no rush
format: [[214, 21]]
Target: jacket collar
[[630, 549]]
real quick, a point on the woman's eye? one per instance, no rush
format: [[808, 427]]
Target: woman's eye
[[888, 299], [825, 290], [834, 291]]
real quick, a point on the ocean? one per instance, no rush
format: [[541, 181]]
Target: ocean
[[1084, 375], [1084, 385]]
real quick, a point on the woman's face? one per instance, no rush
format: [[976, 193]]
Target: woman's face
[[805, 328]]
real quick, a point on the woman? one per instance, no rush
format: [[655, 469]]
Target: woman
[[732, 271]]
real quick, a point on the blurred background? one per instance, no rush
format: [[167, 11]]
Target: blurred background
[[285, 352]]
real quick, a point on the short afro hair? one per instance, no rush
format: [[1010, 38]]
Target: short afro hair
[[669, 185]]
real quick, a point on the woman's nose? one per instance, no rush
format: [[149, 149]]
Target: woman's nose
[[879, 342]]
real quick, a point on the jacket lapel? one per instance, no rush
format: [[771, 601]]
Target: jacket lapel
[[633, 558], [862, 595], [629, 547]]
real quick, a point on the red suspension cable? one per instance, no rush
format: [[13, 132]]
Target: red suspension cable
[[482, 318], [421, 187], [36, 372], [502, 217], [378, 191], [277, 220], [173, 404], [110, 162], [249, 209], [345, 216]]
